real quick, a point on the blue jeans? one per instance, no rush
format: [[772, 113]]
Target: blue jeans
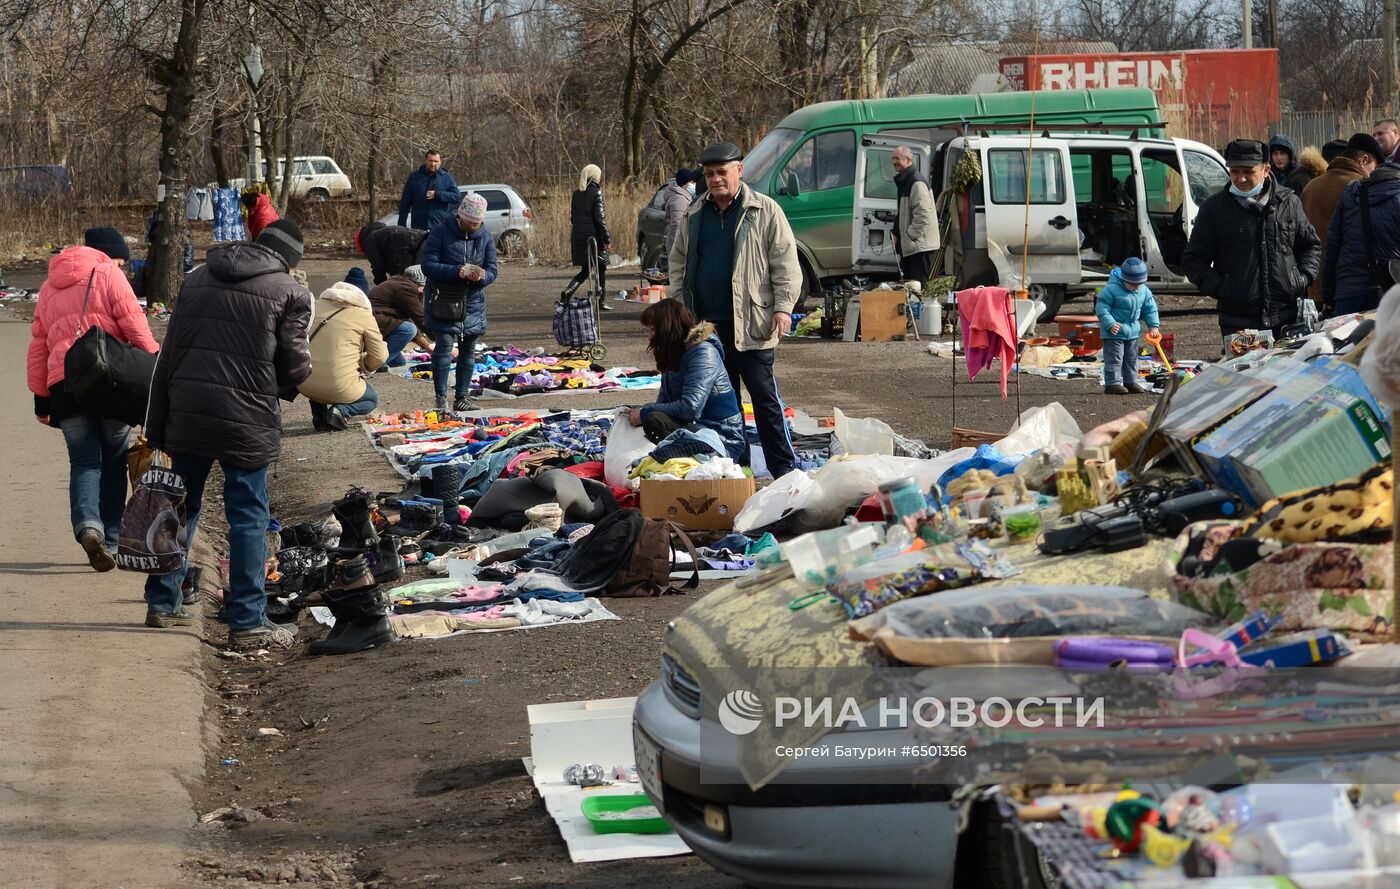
[[96, 474], [1120, 359], [247, 512], [442, 363], [358, 408], [398, 338]]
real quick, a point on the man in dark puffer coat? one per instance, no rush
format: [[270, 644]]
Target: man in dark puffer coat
[[237, 336], [1252, 248], [1347, 284], [390, 248]]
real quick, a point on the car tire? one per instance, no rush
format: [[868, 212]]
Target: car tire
[[318, 194], [1054, 298], [991, 855], [512, 243]]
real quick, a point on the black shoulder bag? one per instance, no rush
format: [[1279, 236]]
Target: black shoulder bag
[[106, 376]]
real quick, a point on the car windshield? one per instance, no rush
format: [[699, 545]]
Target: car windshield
[[759, 163]]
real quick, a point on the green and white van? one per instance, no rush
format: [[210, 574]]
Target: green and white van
[[828, 167]]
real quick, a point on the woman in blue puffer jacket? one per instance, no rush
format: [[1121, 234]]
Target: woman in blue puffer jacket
[[695, 388], [459, 262]]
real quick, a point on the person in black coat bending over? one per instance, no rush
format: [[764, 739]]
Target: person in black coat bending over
[[1252, 248], [589, 221]]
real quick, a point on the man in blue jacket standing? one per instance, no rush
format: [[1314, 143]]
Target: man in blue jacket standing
[[459, 262], [430, 192]]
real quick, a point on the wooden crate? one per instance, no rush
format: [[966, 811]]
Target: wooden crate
[[882, 316]]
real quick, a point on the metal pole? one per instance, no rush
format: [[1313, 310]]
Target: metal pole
[[1388, 41], [1248, 24], [1273, 24]]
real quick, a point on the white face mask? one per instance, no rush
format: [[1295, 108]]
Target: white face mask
[[690, 187]]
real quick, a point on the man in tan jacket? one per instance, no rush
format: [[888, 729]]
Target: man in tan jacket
[[916, 232], [734, 264], [1321, 196], [345, 347]]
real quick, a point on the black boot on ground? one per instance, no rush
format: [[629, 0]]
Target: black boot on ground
[[415, 518], [356, 526], [385, 563], [447, 482], [361, 621]]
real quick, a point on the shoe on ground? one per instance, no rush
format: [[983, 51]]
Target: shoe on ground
[[269, 635], [321, 426], [603, 304], [440, 403], [463, 403], [1115, 390], [1135, 389], [92, 542], [336, 420], [382, 369], [161, 620]]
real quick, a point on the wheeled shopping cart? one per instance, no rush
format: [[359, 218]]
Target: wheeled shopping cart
[[576, 316]]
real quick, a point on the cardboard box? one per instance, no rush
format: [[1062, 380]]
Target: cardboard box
[[1203, 405], [882, 315], [1331, 437], [1295, 382], [696, 505]]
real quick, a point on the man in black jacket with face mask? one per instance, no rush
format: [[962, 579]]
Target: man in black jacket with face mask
[[1252, 248]]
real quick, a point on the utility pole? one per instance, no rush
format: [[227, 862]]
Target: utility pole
[[1249, 24], [1388, 41], [1273, 24]]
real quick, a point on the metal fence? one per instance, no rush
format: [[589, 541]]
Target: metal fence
[[1320, 127]]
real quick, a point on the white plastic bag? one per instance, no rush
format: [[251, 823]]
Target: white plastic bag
[[775, 502], [626, 445], [846, 481], [1041, 427], [864, 436]]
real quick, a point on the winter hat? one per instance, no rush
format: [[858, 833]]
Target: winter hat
[[1245, 153], [283, 237], [472, 208], [684, 175], [108, 240], [1334, 149], [415, 274], [1367, 143], [1134, 270], [356, 276]]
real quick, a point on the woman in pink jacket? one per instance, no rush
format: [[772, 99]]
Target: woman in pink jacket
[[96, 446]]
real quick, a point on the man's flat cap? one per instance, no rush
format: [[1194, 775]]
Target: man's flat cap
[[721, 153]]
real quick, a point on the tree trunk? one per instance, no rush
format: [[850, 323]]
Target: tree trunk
[[376, 81], [218, 148], [166, 270]]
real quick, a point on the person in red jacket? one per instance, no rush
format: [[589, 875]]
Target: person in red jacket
[[96, 446], [261, 213]]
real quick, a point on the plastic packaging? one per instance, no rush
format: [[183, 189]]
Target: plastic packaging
[[1331, 842], [1017, 611], [902, 501], [1382, 826], [1257, 805], [864, 436], [1022, 523], [817, 558], [626, 445], [1041, 427]]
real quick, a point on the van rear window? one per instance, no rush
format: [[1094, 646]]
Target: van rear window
[[1007, 176]]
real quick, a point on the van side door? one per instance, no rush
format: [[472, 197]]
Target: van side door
[[1031, 216], [876, 201]]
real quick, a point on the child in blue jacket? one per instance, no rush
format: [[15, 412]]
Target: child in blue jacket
[[1122, 305]]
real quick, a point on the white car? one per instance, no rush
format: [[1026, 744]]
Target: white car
[[315, 177], [508, 218]]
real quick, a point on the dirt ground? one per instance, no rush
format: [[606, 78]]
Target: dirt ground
[[401, 766]]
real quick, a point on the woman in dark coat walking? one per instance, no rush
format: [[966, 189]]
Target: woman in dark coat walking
[[588, 221]]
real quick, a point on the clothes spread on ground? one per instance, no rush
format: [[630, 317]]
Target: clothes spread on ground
[[987, 330], [512, 372]]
